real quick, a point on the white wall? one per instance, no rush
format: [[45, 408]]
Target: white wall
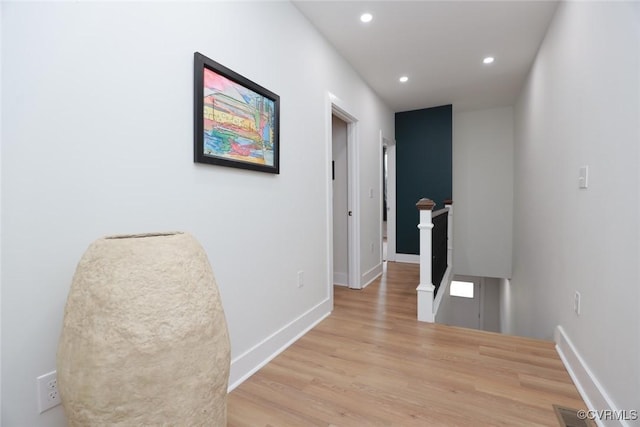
[[370, 166], [483, 192], [446, 308], [581, 106], [97, 139], [340, 205]]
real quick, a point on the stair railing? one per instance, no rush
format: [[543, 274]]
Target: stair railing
[[436, 255]]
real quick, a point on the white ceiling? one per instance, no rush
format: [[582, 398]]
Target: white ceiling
[[439, 45]]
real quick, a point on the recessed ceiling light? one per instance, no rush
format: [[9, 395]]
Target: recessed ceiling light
[[403, 79], [488, 60], [366, 17]]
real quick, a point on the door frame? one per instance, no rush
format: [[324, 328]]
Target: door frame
[[335, 106], [390, 145]]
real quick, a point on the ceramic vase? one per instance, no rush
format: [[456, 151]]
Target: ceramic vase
[[144, 339]]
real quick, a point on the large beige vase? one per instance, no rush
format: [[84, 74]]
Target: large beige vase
[[144, 340]]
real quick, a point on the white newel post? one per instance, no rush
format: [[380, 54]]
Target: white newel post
[[449, 204], [425, 289]]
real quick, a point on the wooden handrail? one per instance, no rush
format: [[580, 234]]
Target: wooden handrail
[[439, 212]]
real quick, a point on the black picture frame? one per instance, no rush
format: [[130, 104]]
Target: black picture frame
[[236, 121]]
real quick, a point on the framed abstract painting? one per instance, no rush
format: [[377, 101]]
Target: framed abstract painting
[[236, 120]]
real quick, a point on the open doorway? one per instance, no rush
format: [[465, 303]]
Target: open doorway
[[388, 217], [385, 206]]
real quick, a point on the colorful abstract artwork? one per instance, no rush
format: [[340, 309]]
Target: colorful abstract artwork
[[236, 119]]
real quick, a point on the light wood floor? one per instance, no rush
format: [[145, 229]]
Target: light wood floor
[[372, 363]]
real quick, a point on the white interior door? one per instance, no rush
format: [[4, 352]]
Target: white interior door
[[465, 302]]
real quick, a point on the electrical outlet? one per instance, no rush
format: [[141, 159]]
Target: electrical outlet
[[371, 247], [300, 279], [48, 395], [576, 303]]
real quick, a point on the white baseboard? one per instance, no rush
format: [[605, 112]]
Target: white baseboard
[[340, 279], [371, 275], [592, 392], [248, 363], [408, 258]]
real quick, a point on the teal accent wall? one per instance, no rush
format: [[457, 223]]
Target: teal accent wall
[[423, 168]]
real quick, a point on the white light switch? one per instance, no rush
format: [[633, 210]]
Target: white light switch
[[583, 177], [371, 193]]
